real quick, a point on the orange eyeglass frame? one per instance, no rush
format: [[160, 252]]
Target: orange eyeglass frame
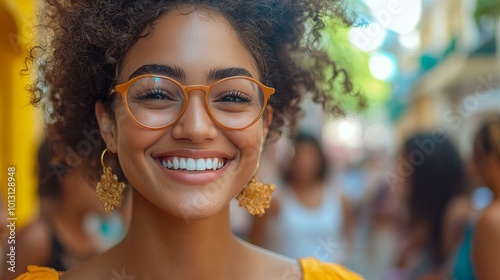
[[122, 89]]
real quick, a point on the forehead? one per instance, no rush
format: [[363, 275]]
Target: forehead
[[197, 41]]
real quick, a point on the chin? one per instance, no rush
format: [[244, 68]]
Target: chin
[[195, 207], [197, 211]]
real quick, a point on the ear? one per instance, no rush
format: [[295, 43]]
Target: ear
[[107, 126], [268, 118]]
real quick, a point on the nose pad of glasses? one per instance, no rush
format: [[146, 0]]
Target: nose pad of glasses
[[195, 122], [195, 106]]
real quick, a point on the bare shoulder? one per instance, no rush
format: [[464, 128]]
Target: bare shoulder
[[100, 267], [264, 264], [82, 271], [35, 233], [485, 250], [489, 222], [270, 265], [34, 244], [33, 247], [488, 226]]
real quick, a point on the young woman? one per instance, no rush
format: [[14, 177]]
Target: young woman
[[437, 207], [485, 245], [184, 95]]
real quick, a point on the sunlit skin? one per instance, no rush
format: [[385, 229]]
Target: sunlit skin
[[180, 221], [196, 49]]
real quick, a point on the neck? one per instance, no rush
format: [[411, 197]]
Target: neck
[[164, 246], [495, 188], [492, 179]]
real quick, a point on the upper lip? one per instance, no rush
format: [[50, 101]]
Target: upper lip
[[191, 153]]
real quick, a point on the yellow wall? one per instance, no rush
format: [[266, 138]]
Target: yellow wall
[[21, 124]]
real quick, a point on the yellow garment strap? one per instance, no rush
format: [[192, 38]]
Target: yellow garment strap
[[39, 273], [313, 269]]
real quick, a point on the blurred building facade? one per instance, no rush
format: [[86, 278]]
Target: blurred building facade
[[455, 71]]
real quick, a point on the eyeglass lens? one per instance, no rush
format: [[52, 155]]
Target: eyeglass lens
[[158, 101]]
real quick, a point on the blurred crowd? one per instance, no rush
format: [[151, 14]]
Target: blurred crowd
[[71, 225], [425, 213]]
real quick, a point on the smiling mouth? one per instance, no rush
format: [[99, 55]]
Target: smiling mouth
[[193, 164]]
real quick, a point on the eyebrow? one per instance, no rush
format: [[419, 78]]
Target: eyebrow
[[160, 69], [221, 73], [178, 73]]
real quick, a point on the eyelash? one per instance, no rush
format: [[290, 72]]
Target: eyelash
[[153, 94], [235, 94], [158, 94]]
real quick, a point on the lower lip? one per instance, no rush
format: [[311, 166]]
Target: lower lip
[[194, 177]]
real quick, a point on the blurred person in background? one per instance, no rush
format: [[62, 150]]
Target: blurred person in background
[[486, 245], [62, 236], [308, 216], [437, 207], [374, 215]]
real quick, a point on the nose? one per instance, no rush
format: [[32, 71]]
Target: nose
[[195, 123]]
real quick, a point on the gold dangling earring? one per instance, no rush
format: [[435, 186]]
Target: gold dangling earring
[[109, 190], [256, 197]]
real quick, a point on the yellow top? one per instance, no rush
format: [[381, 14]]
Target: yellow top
[[39, 273], [312, 270]]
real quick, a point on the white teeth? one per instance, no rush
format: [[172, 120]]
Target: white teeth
[[200, 165], [215, 164], [192, 164]]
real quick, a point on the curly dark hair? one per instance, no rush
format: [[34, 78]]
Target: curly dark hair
[[89, 39]]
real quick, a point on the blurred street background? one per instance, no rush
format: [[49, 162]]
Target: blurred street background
[[425, 66]]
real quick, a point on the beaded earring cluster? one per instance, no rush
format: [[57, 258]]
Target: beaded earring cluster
[[109, 190], [256, 197]]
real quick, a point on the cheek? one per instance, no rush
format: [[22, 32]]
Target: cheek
[[249, 142], [132, 144], [130, 135]]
